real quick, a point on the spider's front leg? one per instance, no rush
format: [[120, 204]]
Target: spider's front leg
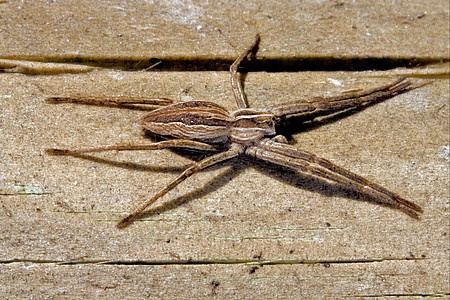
[[329, 105], [291, 157]]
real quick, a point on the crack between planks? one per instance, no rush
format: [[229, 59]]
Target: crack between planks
[[206, 63], [438, 294], [326, 262]]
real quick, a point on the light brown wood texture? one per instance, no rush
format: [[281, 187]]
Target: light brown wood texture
[[170, 29], [242, 229]]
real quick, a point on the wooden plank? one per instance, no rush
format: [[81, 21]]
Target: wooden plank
[[352, 280], [306, 236], [63, 209], [47, 30]]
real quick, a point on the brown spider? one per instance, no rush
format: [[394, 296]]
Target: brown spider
[[206, 126]]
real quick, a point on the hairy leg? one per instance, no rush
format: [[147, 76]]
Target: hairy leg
[[309, 163], [234, 151], [186, 144], [239, 94]]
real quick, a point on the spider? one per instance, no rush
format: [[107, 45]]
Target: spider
[[206, 126]]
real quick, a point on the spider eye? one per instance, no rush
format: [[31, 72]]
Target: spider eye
[[267, 123]]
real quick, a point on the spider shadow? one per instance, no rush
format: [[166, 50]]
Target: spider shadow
[[236, 166], [296, 124], [316, 185], [282, 174], [232, 171], [129, 165], [209, 187], [191, 154]]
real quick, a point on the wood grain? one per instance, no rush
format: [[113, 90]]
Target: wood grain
[[243, 229]]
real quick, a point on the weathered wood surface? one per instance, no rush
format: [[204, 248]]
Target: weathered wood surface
[[86, 29], [243, 229]]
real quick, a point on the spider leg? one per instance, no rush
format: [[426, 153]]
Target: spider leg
[[110, 100], [234, 151], [330, 105], [306, 162], [239, 95], [186, 144], [280, 139]]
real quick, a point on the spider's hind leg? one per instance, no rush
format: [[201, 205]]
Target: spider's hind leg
[[234, 151], [169, 144], [110, 101]]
